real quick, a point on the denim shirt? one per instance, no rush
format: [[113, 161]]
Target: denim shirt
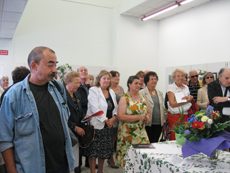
[[19, 127]]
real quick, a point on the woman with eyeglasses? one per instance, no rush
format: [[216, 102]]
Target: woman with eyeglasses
[[156, 107], [175, 106], [202, 95]]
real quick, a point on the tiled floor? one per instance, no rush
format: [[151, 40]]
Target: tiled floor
[[106, 169]]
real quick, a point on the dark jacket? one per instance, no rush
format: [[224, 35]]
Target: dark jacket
[[214, 89], [76, 113], [83, 97]]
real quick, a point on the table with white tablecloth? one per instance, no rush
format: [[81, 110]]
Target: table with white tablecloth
[[156, 160]]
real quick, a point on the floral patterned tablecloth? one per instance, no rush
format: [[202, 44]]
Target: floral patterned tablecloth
[[139, 161]]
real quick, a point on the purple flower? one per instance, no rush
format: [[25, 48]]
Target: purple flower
[[209, 110]]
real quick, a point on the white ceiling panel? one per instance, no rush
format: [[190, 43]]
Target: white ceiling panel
[[14, 5], [1, 5], [137, 9], [9, 25], [11, 16], [5, 36], [7, 31]]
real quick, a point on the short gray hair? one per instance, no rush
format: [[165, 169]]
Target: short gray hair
[[192, 71], [178, 69], [222, 71], [3, 76], [37, 54]]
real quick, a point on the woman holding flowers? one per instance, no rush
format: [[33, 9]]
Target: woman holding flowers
[[133, 114], [202, 95], [177, 109]]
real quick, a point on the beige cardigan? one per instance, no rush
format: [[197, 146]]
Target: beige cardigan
[[163, 111], [202, 97]]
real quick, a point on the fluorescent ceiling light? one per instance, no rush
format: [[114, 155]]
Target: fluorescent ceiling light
[[177, 4], [185, 2]]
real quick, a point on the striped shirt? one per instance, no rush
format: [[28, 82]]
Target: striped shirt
[[194, 89]]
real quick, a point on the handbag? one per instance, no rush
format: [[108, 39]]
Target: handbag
[[87, 139], [165, 133]]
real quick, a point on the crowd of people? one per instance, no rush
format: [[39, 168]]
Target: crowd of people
[[38, 112]]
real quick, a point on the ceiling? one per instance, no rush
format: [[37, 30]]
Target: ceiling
[[12, 10], [150, 6], [10, 15]]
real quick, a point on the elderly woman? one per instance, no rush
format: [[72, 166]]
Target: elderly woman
[[101, 97], [4, 83], [156, 107], [72, 82], [202, 95], [180, 91], [141, 76], [133, 114]]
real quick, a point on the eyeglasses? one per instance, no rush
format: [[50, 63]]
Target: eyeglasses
[[209, 77], [194, 76]]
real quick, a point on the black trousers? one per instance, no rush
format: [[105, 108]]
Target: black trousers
[[153, 132]]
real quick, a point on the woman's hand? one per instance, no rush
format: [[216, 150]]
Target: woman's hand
[[79, 131], [188, 98], [110, 122], [147, 117], [142, 117]]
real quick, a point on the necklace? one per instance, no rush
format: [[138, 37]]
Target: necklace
[[154, 93], [132, 96]]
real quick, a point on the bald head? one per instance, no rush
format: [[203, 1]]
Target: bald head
[[193, 77], [224, 77]]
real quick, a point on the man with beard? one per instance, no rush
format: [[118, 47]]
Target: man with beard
[[34, 134]]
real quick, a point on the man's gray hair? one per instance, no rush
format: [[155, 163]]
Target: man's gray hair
[[3, 76], [37, 54], [81, 67], [222, 71], [192, 71]]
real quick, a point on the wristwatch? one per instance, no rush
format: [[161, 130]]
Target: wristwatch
[[228, 99]]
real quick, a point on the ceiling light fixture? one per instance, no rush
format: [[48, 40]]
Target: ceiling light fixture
[[175, 5]]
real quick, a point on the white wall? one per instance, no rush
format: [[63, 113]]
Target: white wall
[[136, 46], [79, 33], [199, 35]]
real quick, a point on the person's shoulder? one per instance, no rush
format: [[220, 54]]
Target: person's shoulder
[[214, 83], [171, 86], [94, 89], [59, 83], [160, 92], [143, 91]]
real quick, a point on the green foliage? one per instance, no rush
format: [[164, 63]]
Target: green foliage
[[179, 126], [201, 72], [62, 71]]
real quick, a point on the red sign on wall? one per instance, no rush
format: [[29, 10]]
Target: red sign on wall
[[3, 52]]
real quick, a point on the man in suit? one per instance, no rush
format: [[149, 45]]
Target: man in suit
[[219, 94]]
